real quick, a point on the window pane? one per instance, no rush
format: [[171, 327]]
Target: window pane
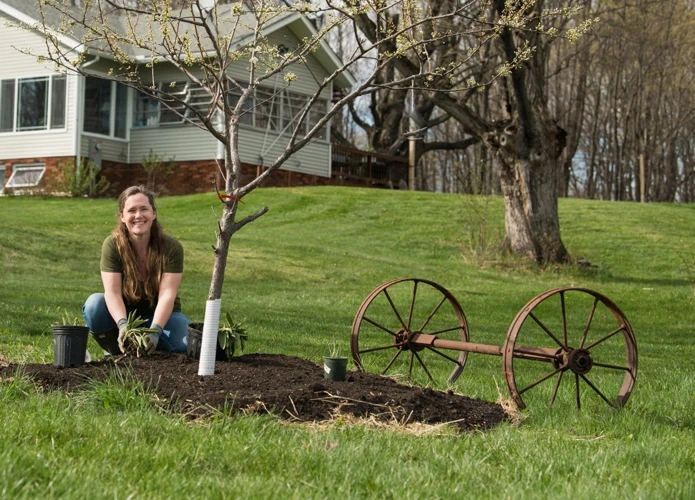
[[26, 176], [121, 110], [7, 106], [33, 99], [146, 111], [97, 106], [58, 96], [199, 99], [266, 112], [318, 111], [233, 97], [292, 106], [171, 108]]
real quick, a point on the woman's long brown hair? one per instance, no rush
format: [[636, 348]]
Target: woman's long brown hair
[[155, 253]]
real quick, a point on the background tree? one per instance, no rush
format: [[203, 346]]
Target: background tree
[[515, 123], [640, 108], [198, 40]]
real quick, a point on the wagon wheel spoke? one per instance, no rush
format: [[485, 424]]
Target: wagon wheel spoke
[[431, 315], [412, 304], [527, 352], [379, 326], [557, 386], [588, 322], [564, 318], [393, 359], [545, 329], [585, 334], [445, 330], [604, 338], [446, 356], [386, 320], [416, 355], [382, 348], [395, 309], [596, 389], [542, 379], [613, 367]]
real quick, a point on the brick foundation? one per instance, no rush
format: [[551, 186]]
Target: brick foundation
[[186, 177], [51, 174]]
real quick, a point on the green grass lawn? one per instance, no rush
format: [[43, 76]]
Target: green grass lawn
[[296, 277]]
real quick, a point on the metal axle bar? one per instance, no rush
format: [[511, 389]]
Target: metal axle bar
[[535, 353]]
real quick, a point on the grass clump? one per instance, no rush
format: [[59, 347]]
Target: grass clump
[[16, 386], [121, 391]]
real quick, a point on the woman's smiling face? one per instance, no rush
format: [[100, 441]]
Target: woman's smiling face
[[138, 215]]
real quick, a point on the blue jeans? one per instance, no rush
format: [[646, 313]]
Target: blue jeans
[[98, 319]]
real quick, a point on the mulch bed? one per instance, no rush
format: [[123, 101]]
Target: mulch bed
[[289, 387]]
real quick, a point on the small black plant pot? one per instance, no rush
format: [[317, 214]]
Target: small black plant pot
[[334, 368], [69, 345], [195, 340]]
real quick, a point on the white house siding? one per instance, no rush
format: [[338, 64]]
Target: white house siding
[[178, 142], [111, 149], [15, 64], [307, 74], [256, 147], [186, 143]]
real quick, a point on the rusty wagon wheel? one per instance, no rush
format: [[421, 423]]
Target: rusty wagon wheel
[[586, 345], [394, 315]]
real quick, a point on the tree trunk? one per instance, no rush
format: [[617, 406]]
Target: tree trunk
[[531, 216], [226, 225]]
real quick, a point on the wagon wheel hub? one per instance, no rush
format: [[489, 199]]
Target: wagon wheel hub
[[406, 338], [579, 361]]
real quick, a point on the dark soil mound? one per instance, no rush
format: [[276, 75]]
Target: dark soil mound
[[290, 387]]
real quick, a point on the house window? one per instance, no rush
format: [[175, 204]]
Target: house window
[[175, 109], [246, 116], [280, 111], [176, 103], [28, 104], [318, 111], [26, 176], [277, 111], [266, 112], [7, 105], [105, 107], [59, 107], [33, 100]]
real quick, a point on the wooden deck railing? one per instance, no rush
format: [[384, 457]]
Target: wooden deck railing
[[353, 167]]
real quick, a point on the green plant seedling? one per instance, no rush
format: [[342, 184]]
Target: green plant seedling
[[334, 350], [135, 337], [230, 335], [67, 319]]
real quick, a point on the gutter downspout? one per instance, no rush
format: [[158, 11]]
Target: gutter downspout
[[80, 114]]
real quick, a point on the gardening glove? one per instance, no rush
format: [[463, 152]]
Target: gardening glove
[[121, 332], [153, 338]]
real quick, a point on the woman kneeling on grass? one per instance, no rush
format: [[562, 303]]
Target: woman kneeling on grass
[[141, 268]]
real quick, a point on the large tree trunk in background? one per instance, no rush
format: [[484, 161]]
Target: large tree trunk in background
[[530, 148], [531, 217], [518, 131]]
